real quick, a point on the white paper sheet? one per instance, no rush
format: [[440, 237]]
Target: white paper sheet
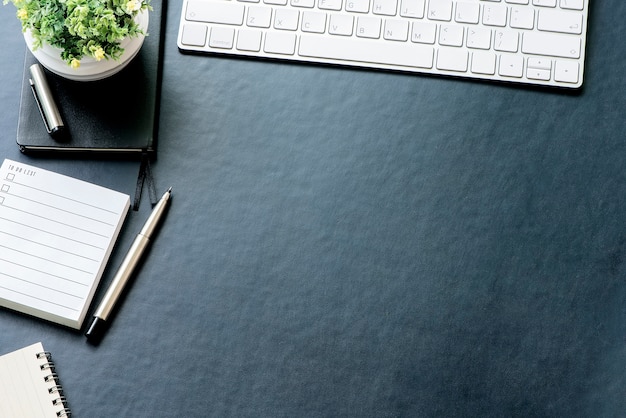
[[56, 235]]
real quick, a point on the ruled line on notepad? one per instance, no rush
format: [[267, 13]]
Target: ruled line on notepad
[[21, 279], [39, 299], [57, 221], [55, 207], [49, 246], [43, 272], [51, 233], [45, 259], [63, 197]]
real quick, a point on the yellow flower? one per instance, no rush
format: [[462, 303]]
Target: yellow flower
[[133, 6], [75, 63], [22, 14], [98, 54]]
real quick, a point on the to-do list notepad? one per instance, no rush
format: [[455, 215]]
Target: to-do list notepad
[[56, 235]]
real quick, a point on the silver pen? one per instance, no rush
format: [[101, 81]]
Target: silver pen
[[45, 101], [126, 269]]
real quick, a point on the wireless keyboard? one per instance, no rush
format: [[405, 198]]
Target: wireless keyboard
[[538, 42]]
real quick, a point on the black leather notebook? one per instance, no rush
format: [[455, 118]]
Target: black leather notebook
[[117, 115]]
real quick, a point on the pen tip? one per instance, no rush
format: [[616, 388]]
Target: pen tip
[[169, 190]]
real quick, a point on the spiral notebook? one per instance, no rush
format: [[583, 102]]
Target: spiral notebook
[[30, 386], [56, 236]]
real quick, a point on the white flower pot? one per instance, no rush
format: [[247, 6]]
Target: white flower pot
[[90, 69]]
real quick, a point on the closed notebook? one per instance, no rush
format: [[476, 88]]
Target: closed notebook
[[56, 236], [117, 115], [30, 386]]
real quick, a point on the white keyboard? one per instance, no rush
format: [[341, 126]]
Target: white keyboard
[[539, 42]]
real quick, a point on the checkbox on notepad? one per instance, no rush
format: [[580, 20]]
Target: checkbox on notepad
[[5, 188], [10, 176], [1, 200]]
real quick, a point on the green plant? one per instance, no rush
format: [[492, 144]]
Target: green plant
[[81, 28]]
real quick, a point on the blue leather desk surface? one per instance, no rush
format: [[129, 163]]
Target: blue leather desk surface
[[361, 244]]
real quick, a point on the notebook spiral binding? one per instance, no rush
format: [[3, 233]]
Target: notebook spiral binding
[[56, 390]]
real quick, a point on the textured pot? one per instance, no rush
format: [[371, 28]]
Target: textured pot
[[90, 69]]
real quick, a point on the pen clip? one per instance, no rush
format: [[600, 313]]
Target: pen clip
[[41, 112]]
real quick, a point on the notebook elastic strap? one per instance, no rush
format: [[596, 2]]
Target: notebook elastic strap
[[145, 176]]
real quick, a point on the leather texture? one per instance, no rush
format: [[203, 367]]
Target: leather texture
[[361, 244]]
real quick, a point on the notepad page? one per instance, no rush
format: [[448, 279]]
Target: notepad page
[[23, 389], [56, 235]]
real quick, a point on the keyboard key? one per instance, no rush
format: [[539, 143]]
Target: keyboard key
[[194, 35], [506, 40], [385, 7], [345, 49], [368, 27], [329, 4], [452, 59], [545, 3], [412, 8], [538, 74], [511, 66], [540, 62], [303, 3], [483, 63], [479, 38], [440, 10], [221, 12], [451, 35], [358, 6], [522, 18], [313, 22], [283, 43], [551, 45], [558, 21], [396, 30], [286, 19], [467, 12], [494, 15], [221, 38], [572, 4], [341, 25], [259, 17], [249, 40], [566, 71], [424, 33]]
